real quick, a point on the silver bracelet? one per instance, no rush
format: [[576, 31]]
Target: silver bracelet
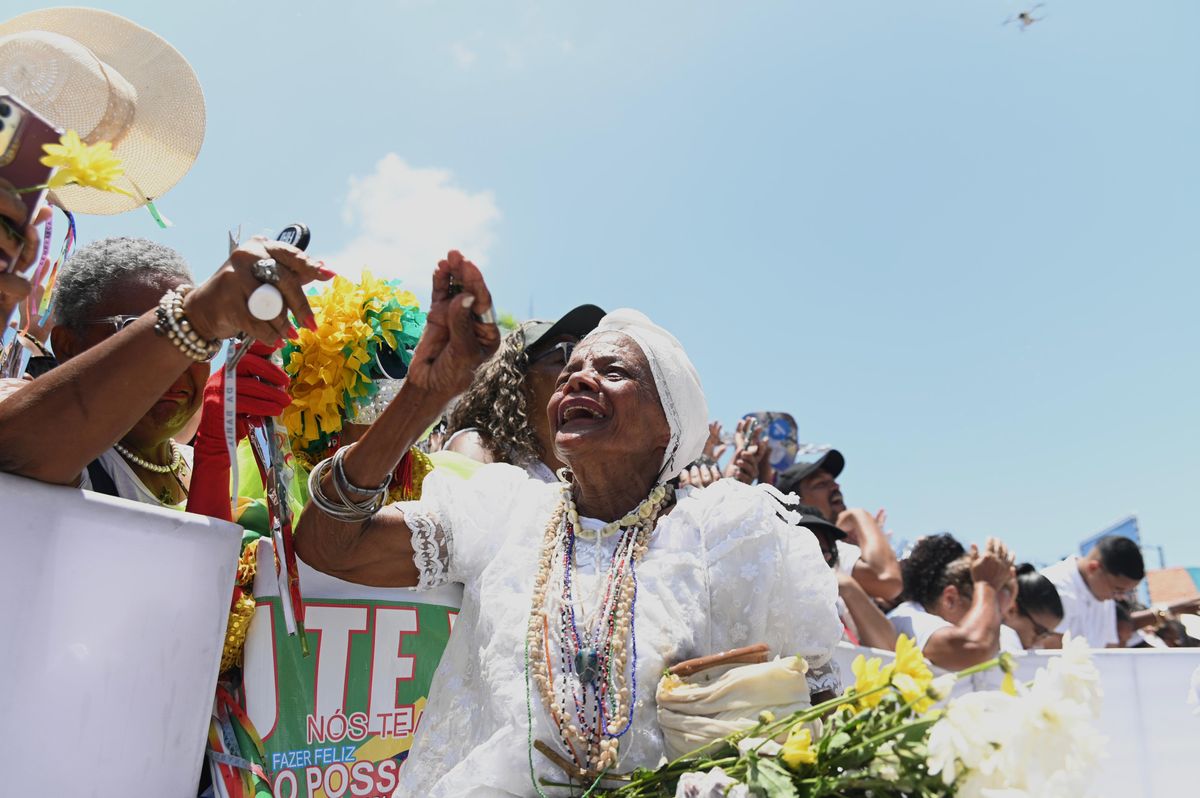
[[341, 483], [345, 508], [331, 508]]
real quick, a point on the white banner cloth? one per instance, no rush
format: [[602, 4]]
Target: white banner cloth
[[1153, 734], [113, 614]]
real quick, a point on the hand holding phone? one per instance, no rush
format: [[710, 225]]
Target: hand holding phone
[[23, 133]]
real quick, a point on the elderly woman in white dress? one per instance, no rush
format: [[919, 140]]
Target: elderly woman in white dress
[[577, 594]]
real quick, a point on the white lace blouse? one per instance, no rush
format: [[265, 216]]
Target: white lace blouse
[[722, 571]]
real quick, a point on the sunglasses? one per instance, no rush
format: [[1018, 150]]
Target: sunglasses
[[565, 348], [118, 322], [1039, 631]]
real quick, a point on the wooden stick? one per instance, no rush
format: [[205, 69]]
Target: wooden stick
[[749, 655]]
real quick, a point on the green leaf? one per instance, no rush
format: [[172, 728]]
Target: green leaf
[[838, 741], [770, 778]]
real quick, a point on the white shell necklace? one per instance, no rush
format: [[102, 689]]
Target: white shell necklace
[[141, 462]]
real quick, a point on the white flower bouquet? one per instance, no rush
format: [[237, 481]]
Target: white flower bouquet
[[887, 736]]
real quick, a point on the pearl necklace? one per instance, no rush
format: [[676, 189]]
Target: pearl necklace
[[591, 701], [170, 468]]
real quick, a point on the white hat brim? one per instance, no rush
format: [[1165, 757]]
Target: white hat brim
[[167, 131]]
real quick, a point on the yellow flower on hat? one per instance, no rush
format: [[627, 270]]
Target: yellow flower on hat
[[798, 750], [77, 163]]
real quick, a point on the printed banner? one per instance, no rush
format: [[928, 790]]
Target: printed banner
[[341, 720]]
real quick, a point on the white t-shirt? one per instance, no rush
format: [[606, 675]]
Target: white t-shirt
[[1010, 641], [127, 483], [913, 620], [848, 555], [1084, 615]]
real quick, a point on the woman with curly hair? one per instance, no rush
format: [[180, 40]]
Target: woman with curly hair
[[502, 417], [956, 601]]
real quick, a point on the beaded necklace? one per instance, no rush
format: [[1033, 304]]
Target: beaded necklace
[[156, 468], [592, 696]]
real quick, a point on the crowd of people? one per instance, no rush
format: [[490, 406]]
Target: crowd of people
[[565, 473]]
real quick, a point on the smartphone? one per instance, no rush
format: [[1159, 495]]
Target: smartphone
[[22, 134], [751, 433]]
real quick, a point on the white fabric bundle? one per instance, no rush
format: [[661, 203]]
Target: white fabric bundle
[[677, 381], [695, 711]]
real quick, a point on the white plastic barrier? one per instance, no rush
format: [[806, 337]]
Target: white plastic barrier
[[1153, 733], [113, 616]]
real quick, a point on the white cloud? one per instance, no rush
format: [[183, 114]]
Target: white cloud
[[406, 218], [463, 56]]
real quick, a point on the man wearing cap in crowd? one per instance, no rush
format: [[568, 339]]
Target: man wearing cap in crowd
[[502, 417], [862, 620], [865, 553]]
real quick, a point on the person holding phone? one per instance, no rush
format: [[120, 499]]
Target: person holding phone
[[17, 253]]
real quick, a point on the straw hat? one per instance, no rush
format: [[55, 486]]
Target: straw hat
[[109, 80]]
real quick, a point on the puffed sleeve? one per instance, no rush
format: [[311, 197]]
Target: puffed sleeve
[[768, 580], [459, 524]]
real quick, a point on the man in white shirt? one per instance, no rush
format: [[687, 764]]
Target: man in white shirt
[[1088, 585]]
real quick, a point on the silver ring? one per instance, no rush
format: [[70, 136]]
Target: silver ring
[[265, 303], [487, 317], [266, 271]]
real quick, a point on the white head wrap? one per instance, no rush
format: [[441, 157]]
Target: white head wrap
[[678, 385]]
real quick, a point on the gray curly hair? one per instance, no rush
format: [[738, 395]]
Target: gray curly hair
[[88, 277]]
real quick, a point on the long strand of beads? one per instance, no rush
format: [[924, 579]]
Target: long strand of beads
[[592, 661]]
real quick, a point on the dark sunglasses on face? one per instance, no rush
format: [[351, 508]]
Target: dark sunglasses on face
[[562, 350]]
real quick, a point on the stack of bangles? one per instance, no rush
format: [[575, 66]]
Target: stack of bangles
[[345, 509]]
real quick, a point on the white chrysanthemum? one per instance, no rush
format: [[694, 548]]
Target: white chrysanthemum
[[942, 686], [1057, 737], [1042, 742], [713, 784], [973, 729], [1072, 675]]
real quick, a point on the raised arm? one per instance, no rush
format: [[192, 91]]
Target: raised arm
[[54, 426], [877, 569], [378, 550], [976, 638]]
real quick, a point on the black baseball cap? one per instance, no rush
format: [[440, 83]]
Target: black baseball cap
[[831, 463], [811, 519], [577, 322]]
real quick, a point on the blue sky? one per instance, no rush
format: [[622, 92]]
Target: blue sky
[[963, 254]]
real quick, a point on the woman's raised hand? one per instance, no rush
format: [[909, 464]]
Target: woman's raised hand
[[219, 309], [455, 341]]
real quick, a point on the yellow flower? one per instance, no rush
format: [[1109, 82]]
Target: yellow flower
[[798, 749], [1009, 685], [911, 675], [869, 675], [82, 164]]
